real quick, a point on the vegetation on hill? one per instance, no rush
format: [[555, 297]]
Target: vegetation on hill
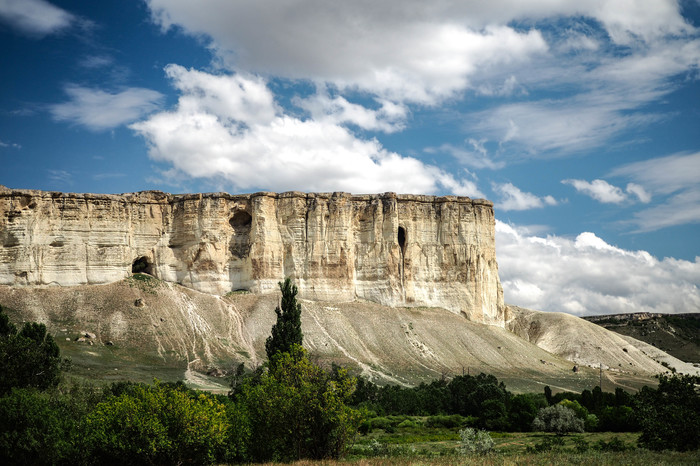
[[676, 334], [291, 409]]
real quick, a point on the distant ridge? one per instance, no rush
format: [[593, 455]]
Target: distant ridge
[[675, 334]]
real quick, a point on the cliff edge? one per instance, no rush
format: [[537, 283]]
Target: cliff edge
[[395, 250]]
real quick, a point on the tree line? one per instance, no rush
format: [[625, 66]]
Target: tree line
[[287, 409]]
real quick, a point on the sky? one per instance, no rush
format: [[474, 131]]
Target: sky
[[579, 120]]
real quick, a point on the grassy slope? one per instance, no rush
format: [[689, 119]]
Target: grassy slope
[[677, 335], [167, 331]]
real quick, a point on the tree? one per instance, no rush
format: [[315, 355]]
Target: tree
[[287, 331], [297, 410], [558, 419], [35, 428], [670, 415], [28, 358], [523, 410], [157, 425]]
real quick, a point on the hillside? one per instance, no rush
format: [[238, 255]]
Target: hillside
[[675, 334], [145, 328]]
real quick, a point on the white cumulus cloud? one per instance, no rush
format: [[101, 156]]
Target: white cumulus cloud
[[587, 276], [512, 198], [599, 190], [99, 110], [228, 127]]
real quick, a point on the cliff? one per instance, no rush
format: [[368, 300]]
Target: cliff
[[395, 250]]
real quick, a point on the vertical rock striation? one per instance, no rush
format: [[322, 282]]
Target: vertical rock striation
[[397, 250]]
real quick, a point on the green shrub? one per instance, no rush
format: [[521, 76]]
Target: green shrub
[[28, 358], [450, 422], [614, 444], [35, 428], [297, 410], [581, 445], [547, 444], [670, 416], [408, 424], [157, 425], [557, 419], [475, 441]]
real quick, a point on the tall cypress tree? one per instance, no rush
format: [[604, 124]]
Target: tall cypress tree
[[287, 331]]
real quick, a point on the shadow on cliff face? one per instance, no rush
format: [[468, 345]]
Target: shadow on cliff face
[[142, 265]]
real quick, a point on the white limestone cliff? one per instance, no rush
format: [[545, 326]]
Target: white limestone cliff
[[397, 250]]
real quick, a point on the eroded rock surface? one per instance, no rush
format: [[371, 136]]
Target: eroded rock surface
[[396, 250]]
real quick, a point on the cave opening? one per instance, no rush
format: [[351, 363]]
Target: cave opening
[[142, 265], [240, 220], [402, 239], [239, 244]]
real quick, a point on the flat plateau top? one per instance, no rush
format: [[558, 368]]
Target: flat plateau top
[[162, 197]]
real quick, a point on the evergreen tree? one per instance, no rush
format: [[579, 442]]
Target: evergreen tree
[[287, 331]]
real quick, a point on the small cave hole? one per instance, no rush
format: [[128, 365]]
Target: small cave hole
[[141, 265], [240, 220], [402, 239]]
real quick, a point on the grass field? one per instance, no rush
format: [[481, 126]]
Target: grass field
[[422, 445]]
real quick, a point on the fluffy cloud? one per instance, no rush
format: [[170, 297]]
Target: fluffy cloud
[[35, 17], [389, 117], [228, 127], [98, 110], [586, 276], [512, 198], [599, 190], [402, 51], [675, 178], [610, 59]]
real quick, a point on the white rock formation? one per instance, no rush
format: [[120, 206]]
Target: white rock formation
[[397, 250]]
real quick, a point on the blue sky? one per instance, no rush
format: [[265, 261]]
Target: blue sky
[[578, 119]]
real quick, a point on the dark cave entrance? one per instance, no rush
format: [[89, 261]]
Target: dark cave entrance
[[142, 265], [402, 239], [241, 220], [240, 241]]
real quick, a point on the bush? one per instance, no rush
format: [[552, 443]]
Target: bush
[[557, 419], [34, 429], [547, 444], [475, 441], [157, 425], [297, 410], [614, 444], [450, 422], [408, 424], [28, 358], [670, 416]]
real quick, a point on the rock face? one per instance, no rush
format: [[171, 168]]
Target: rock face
[[396, 250]]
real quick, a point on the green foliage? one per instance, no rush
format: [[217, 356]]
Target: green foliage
[[450, 422], [287, 331], [523, 410], [7, 328], [614, 444], [28, 358], [35, 428], [670, 415], [557, 419], [297, 410], [475, 441], [575, 406], [157, 425], [547, 444], [468, 394], [618, 419]]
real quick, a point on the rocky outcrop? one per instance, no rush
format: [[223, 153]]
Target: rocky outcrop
[[396, 250]]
